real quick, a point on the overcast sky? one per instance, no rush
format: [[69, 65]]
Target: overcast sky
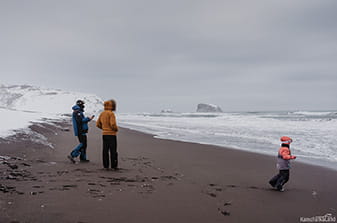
[[151, 55]]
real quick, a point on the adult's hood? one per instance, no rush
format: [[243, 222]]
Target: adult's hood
[[76, 107], [108, 105]]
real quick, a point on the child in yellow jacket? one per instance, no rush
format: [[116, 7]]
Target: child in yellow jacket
[[107, 122]]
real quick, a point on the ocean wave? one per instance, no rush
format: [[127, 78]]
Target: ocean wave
[[315, 113]]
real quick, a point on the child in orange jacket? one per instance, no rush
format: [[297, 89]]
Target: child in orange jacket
[[283, 164]]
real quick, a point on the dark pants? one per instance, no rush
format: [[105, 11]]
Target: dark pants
[[110, 146], [280, 179], [81, 149]]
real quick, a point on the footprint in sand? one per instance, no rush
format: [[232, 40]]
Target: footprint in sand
[[224, 212], [65, 187], [60, 173], [232, 186], [70, 186], [96, 193], [211, 194]]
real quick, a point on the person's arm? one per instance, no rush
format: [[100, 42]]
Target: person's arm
[[113, 122], [78, 122], [86, 119]]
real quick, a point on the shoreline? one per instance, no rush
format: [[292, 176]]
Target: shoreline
[[160, 181], [329, 165], [62, 125]]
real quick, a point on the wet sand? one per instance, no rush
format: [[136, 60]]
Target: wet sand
[[159, 181]]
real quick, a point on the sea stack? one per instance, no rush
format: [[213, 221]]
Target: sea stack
[[208, 108]]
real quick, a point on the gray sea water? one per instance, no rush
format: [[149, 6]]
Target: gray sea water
[[313, 132]]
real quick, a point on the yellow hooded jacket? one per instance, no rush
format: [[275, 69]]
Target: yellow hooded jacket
[[107, 120]]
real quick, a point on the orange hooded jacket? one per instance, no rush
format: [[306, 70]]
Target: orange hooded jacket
[[285, 154], [107, 119], [283, 158]]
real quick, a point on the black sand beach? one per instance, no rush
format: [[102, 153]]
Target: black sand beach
[[159, 181]]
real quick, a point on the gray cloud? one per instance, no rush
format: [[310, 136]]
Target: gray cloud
[[242, 55]]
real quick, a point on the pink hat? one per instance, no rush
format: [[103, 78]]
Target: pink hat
[[286, 140]]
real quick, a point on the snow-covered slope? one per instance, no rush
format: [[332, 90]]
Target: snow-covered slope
[[21, 105], [34, 99]]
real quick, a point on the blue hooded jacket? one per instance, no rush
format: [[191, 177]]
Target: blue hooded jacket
[[80, 122]]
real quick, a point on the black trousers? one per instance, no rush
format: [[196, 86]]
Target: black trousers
[[110, 146], [280, 179], [83, 139]]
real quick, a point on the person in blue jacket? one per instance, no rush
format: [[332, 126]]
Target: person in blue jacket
[[80, 124]]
